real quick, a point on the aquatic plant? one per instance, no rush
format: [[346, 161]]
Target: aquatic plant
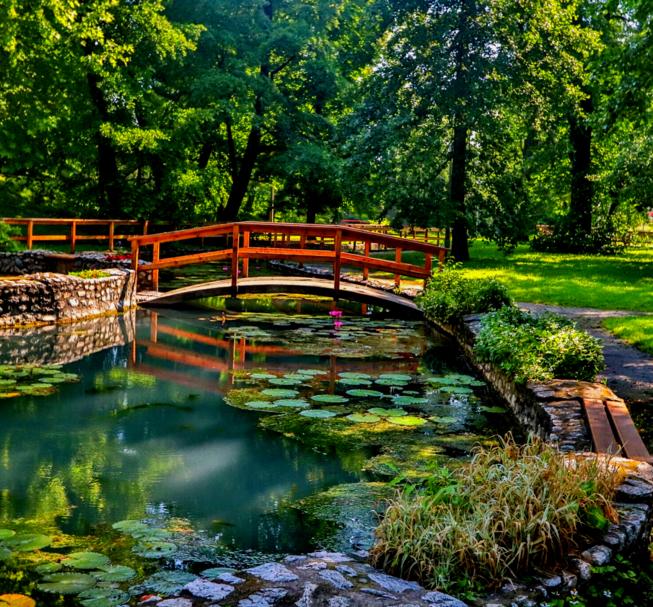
[[90, 274], [509, 510], [363, 418]]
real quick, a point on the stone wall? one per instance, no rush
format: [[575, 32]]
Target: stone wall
[[59, 344], [44, 297]]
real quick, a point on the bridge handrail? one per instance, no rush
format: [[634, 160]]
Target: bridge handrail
[[338, 233]]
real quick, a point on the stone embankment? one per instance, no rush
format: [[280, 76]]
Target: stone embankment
[[45, 297]]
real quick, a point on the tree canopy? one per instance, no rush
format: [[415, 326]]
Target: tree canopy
[[483, 116]]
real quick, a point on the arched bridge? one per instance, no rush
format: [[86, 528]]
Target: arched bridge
[[333, 244]]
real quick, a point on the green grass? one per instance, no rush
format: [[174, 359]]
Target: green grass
[[636, 330], [622, 282]]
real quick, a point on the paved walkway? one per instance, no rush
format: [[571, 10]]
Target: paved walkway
[[629, 371]]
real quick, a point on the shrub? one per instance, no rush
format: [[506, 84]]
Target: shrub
[[6, 232], [450, 295], [562, 238], [90, 274], [508, 511], [538, 348]]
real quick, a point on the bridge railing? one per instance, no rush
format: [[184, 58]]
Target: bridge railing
[[332, 236]]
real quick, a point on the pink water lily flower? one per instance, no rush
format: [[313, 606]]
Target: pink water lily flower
[[225, 269], [336, 313], [337, 324]]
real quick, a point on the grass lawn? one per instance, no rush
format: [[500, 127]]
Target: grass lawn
[[636, 330], [623, 282]]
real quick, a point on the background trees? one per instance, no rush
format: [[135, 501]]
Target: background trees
[[484, 116]]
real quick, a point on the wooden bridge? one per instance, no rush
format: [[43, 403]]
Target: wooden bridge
[[336, 245]]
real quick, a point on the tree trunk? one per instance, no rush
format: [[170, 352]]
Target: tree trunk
[[310, 213], [582, 188], [460, 246]]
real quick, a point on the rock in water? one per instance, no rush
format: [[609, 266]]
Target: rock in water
[[273, 572]]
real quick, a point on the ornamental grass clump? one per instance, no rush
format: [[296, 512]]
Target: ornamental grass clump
[[509, 511]]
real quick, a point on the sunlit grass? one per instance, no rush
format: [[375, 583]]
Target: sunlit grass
[[637, 330], [623, 282]]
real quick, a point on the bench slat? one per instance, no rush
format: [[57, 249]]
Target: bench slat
[[600, 428], [629, 437]]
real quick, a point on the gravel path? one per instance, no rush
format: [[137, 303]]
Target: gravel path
[[629, 371]]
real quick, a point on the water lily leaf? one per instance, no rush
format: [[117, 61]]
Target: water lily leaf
[[5, 553], [25, 542], [493, 409], [5, 533], [67, 583], [411, 392], [456, 390], [408, 400], [16, 600], [280, 393], [103, 597], [86, 560], [329, 398], [390, 382], [49, 568], [295, 376], [363, 393], [7, 382], [262, 376], [354, 382], [461, 378], [443, 380], [363, 418], [444, 420], [114, 573], [261, 404], [388, 412], [409, 420], [355, 375], [155, 550], [169, 582], [129, 526], [214, 572], [152, 534], [282, 381], [395, 377], [291, 402], [318, 413], [311, 372]]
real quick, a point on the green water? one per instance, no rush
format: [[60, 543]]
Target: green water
[[160, 426]]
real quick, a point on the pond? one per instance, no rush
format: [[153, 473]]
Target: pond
[[235, 427]]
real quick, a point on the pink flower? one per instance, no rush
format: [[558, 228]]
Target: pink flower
[[337, 324], [336, 313], [258, 267], [225, 269], [239, 271]]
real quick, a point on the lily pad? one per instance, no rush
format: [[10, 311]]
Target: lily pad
[[494, 410], [354, 382], [152, 534], [409, 420], [49, 568], [169, 582], [317, 413], [291, 402], [114, 573], [155, 550], [363, 418], [329, 398], [5, 553], [214, 572], [295, 376], [355, 375], [444, 420], [408, 400], [26, 542], [5, 533], [387, 412], [262, 376], [311, 372], [396, 377], [129, 526], [363, 393], [456, 390], [7, 382], [103, 597], [390, 382], [16, 600], [281, 381], [261, 404], [280, 393], [67, 583], [86, 560]]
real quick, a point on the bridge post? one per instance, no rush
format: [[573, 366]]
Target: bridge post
[[428, 266], [112, 228], [135, 263], [442, 256], [73, 236], [156, 252], [337, 247], [366, 271], [245, 259], [30, 234], [234, 260], [398, 260]]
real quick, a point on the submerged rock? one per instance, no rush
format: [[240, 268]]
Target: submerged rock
[[273, 572]]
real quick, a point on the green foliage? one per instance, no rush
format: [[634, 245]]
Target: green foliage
[[90, 274], [565, 238], [6, 242], [450, 295], [636, 330], [508, 511], [538, 348]]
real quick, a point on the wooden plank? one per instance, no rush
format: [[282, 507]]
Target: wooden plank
[[112, 230], [337, 247], [156, 251], [245, 259], [214, 230], [73, 236], [272, 253], [184, 260], [398, 260], [366, 270], [600, 428], [30, 234], [234, 257], [385, 265], [629, 437]]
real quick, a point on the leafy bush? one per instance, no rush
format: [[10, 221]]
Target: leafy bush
[[508, 511], [90, 274], [562, 238], [450, 295], [6, 232], [538, 348]]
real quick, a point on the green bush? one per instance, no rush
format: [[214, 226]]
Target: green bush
[[562, 238], [6, 232], [538, 348], [90, 274], [510, 510], [450, 296]]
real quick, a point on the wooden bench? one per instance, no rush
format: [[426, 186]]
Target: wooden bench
[[613, 430]]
